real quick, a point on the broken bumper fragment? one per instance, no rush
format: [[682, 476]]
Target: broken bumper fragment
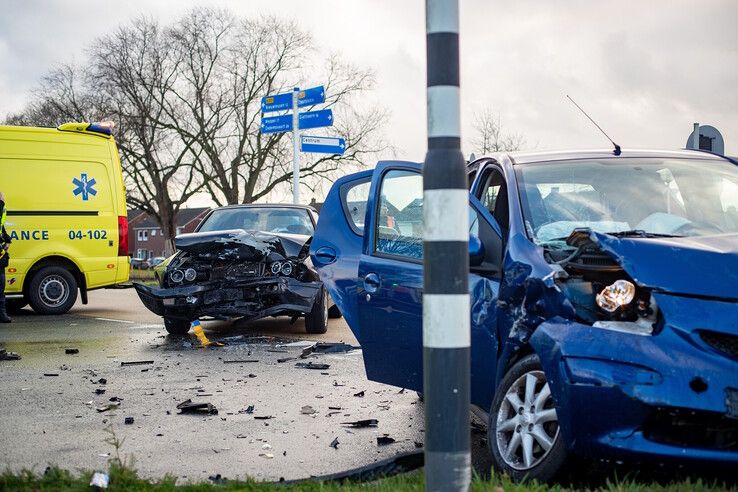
[[668, 395], [252, 300]]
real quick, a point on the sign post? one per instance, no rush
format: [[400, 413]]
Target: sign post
[[295, 147], [299, 121], [446, 311]]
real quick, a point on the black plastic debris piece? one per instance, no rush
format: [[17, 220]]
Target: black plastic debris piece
[[384, 440], [401, 391], [102, 381], [51, 374], [360, 394], [188, 406], [286, 359], [5, 355], [115, 399], [105, 408], [249, 410], [252, 375], [334, 408], [128, 421], [71, 351], [360, 424], [217, 479], [335, 383], [100, 391], [239, 361], [308, 350], [418, 445], [308, 410], [136, 362], [334, 443], [332, 348], [402, 463], [278, 351], [311, 365], [263, 417]]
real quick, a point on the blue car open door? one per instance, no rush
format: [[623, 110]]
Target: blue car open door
[[379, 285]]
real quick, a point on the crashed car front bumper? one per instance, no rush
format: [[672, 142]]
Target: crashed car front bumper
[[251, 300], [626, 396]]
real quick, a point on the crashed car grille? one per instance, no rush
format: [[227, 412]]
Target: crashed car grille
[[722, 342], [706, 430]]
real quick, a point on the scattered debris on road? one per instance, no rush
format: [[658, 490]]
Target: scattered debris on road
[[109, 406], [128, 421], [188, 406], [99, 391], [51, 374], [5, 355], [100, 480], [71, 351], [311, 365], [308, 410], [204, 342], [384, 440], [360, 424], [263, 417], [334, 443], [249, 409], [360, 394], [136, 362], [239, 361], [102, 381]]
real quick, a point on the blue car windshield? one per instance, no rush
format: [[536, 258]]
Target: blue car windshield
[[629, 196], [268, 219]]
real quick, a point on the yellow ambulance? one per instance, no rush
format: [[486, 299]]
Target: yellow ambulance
[[66, 214]]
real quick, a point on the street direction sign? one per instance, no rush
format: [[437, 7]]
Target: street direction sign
[[310, 97], [316, 119], [322, 145], [309, 119], [276, 124], [281, 102]]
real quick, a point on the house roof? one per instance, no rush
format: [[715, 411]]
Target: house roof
[[184, 216]]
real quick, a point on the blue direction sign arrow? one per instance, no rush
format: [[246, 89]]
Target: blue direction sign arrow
[[322, 145], [310, 97], [316, 119], [309, 119], [276, 124], [281, 102]]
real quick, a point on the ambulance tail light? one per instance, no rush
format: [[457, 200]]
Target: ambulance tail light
[[122, 235]]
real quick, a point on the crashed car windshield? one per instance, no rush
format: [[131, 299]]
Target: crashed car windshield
[[635, 197], [267, 219]]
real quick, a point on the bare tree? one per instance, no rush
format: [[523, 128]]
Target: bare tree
[[228, 65], [490, 136]]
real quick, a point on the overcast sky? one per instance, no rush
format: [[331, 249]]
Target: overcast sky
[[645, 70]]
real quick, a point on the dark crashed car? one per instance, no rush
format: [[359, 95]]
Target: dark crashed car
[[604, 300], [243, 261]]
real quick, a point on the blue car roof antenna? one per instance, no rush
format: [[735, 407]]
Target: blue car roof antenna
[[617, 147]]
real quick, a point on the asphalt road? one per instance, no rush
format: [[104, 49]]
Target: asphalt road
[[53, 403]]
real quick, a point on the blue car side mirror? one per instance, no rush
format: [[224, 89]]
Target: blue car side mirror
[[476, 251]]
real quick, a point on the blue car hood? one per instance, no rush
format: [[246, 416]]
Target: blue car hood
[[699, 266]]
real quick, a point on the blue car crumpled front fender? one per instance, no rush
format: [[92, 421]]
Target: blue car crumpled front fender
[[615, 392]]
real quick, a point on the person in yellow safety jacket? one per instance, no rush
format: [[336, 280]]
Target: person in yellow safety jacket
[[4, 259]]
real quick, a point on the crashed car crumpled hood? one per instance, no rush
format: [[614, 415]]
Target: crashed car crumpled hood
[[700, 266], [241, 244]]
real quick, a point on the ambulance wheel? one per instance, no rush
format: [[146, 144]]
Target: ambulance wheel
[[14, 306], [316, 321], [176, 326], [52, 290]]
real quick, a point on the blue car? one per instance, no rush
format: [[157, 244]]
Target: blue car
[[604, 299]]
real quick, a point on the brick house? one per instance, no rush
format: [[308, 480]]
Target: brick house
[[145, 239]]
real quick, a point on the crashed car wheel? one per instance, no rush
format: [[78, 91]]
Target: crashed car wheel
[[523, 431], [176, 326], [316, 321]]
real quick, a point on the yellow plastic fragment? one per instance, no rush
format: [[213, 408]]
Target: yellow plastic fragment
[[204, 342]]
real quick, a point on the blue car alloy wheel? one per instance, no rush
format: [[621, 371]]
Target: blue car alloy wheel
[[523, 431]]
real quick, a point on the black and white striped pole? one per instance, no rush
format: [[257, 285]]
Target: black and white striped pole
[[446, 315]]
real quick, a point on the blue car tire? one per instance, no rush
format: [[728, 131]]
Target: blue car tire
[[523, 431]]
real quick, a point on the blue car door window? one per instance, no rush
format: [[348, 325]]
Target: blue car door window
[[399, 227]]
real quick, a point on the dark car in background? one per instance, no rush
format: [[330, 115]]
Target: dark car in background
[[243, 261], [140, 264], [603, 300]]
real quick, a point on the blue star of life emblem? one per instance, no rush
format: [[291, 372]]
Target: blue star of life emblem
[[84, 186]]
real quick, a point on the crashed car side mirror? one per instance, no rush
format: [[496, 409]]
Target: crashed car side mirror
[[476, 251]]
